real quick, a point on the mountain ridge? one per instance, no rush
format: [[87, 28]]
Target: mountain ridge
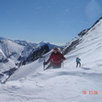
[[72, 44]]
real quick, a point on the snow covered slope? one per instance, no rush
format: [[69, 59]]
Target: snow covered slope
[[89, 48], [9, 47], [9, 53], [13, 52], [67, 84]]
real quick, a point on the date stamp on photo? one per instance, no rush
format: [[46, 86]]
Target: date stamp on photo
[[91, 92]]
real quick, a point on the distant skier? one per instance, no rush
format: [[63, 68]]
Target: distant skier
[[78, 62], [56, 58]]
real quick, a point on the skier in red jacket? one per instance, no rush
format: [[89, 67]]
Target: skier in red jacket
[[55, 59]]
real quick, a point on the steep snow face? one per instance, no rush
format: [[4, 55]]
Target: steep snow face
[[90, 47], [10, 51], [11, 48], [7, 65], [2, 55]]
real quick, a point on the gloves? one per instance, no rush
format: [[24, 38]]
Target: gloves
[[45, 63]]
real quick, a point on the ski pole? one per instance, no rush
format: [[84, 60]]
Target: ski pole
[[44, 64]]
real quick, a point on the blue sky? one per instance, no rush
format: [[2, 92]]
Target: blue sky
[[55, 21]]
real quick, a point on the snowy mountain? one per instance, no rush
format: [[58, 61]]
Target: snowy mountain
[[10, 48], [91, 33], [30, 83], [9, 53], [16, 51]]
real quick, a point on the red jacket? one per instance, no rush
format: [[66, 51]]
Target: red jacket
[[56, 58]]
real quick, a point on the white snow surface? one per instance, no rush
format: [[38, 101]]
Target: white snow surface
[[7, 48], [2, 55], [30, 83]]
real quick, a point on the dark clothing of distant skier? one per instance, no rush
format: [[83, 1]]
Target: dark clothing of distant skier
[[56, 58], [78, 62]]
